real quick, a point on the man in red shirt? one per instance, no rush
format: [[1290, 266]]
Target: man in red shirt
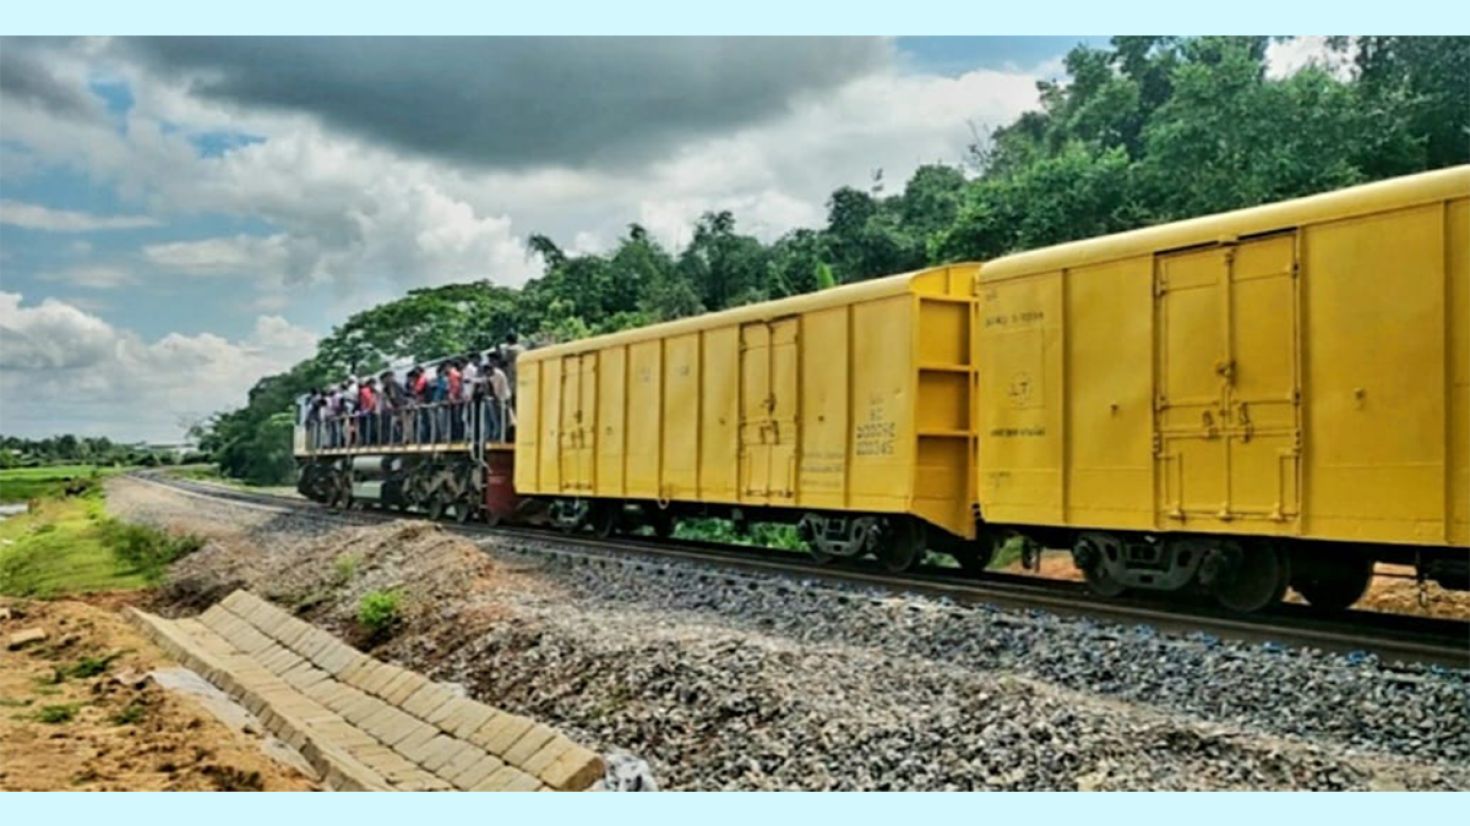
[[367, 409], [456, 383], [418, 388]]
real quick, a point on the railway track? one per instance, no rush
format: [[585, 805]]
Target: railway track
[[1393, 638]]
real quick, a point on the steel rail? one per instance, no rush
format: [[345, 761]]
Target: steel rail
[[1394, 638]]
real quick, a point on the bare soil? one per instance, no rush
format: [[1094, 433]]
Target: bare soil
[[64, 727]]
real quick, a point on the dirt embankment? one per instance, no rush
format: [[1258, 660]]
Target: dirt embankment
[[78, 712], [438, 580]]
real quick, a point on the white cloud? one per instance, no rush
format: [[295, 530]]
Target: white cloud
[[65, 370], [362, 216], [91, 276], [1287, 57], [776, 176], [221, 256], [50, 336], [35, 216], [370, 221]]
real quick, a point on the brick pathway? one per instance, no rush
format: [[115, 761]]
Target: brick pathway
[[363, 723]]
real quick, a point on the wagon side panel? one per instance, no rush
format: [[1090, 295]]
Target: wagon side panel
[[1375, 343], [719, 414], [1457, 235]]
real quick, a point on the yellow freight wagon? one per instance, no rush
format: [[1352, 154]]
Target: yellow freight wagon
[[848, 409], [1278, 394]]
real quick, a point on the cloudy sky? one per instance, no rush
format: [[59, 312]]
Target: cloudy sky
[[179, 217]]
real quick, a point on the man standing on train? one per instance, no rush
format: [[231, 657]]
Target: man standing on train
[[503, 427], [394, 406], [511, 351]]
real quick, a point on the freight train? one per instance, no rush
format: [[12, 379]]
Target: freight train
[[1234, 404]]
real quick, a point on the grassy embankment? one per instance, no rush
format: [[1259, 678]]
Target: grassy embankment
[[69, 545], [21, 484]]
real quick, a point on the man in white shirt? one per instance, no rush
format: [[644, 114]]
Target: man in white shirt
[[511, 350], [502, 413], [469, 378]]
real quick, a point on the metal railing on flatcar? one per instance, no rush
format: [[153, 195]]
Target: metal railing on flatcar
[[439, 423]]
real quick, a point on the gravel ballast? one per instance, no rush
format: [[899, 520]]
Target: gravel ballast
[[753, 682]]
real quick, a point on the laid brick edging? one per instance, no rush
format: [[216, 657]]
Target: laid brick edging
[[240, 677], [362, 722]]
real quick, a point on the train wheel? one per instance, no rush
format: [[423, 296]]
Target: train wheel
[[1090, 554], [903, 545], [605, 518], [1102, 583], [463, 510], [1259, 579], [1331, 585], [974, 557], [806, 531], [660, 520]]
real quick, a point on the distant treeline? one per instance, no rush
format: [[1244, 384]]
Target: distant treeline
[[1147, 130], [86, 450]]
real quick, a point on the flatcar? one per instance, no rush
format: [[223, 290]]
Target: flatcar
[[1231, 404]]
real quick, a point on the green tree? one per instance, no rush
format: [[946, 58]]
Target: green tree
[[1418, 87]]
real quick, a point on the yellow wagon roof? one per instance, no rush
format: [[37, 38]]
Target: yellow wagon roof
[[766, 310], [1394, 193]]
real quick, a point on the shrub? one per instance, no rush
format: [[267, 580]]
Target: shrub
[[344, 568], [92, 666], [58, 713], [378, 611], [147, 549], [133, 713]]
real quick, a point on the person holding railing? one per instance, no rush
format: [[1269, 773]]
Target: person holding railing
[[453, 395], [501, 413], [469, 395], [367, 412], [313, 418], [395, 406], [511, 351], [438, 395]]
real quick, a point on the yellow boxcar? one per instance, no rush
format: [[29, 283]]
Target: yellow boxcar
[[854, 399], [1300, 369]]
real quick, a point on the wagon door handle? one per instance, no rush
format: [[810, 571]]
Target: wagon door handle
[[1243, 416]]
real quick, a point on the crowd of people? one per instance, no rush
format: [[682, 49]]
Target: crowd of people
[[450, 400]]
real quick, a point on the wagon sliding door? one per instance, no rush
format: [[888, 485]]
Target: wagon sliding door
[[1227, 412], [578, 431], [768, 411], [784, 372], [568, 458]]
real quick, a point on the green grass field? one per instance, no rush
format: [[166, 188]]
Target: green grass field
[[62, 547], [21, 484], [69, 545]]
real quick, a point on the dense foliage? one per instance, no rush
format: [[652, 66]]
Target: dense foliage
[[1147, 130]]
